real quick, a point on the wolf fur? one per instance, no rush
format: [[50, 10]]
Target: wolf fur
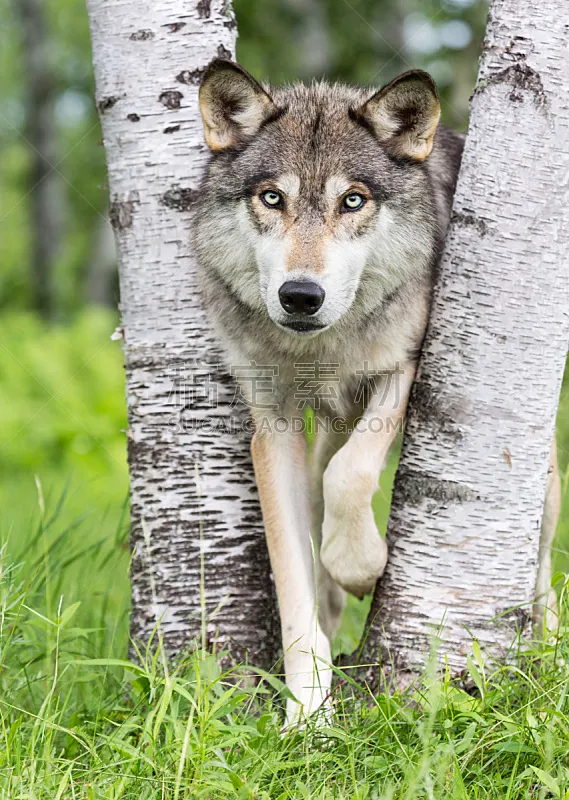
[[307, 150]]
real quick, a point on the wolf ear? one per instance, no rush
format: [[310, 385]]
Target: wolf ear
[[233, 105], [404, 115]]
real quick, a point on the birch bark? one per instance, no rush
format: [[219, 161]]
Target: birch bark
[[468, 499], [193, 495]]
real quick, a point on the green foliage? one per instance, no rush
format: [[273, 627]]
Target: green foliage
[[64, 482], [78, 721], [62, 394]]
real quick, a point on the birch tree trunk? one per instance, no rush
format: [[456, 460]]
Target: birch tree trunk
[[193, 495], [469, 493]]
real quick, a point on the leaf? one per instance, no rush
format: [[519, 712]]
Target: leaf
[[548, 781], [276, 684], [474, 674], [68, 614], [362, 792], [334, 733], [466, 741], [63, 784], [462, 701], [236, 781], [477, 652], [512, 747], [263, 721], [377, 763], [109, 662]]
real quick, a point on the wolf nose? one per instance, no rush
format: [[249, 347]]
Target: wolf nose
[[301, 297]]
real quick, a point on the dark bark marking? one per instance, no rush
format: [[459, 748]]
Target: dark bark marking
[[519, 47], [180, 198], [223, 52], [522, 78], [174, 27], [416, 487], [471, 219], [141, 36], [171, 99], [230, 24], [120, 214], [204, 9], [107, 102], [429, 408], [191, 77], [172, 129], [133, 117]]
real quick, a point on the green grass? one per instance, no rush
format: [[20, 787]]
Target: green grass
[[78, 720]]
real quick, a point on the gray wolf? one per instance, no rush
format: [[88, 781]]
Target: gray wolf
[[321, 219]]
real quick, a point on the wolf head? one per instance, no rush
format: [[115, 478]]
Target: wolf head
[[315, 195]]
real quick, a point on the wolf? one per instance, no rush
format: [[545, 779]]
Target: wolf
[[322, 215]]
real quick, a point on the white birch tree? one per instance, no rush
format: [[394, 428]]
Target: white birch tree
[[193, 495], [469, 496]]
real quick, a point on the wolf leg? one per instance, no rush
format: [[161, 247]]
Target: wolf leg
[[282, 479], [545, 606], [330, 595], [352, 550]]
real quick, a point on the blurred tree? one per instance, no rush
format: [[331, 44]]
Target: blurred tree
[[101, 279], [79, 163], [43, 182]]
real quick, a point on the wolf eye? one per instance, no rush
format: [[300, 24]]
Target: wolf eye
[[272, 199], [353, 202]]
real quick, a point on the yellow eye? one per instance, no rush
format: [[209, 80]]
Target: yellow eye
[[272, 199], [353, 202]]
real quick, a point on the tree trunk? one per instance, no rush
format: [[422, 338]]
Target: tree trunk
[[44, 183], [193, 497], [469, 493]]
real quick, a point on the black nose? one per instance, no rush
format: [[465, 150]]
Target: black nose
[[301, 297]]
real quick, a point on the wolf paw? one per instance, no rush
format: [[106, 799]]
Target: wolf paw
[[352, 550]]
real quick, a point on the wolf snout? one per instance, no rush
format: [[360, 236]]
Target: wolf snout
[[301, 297]]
